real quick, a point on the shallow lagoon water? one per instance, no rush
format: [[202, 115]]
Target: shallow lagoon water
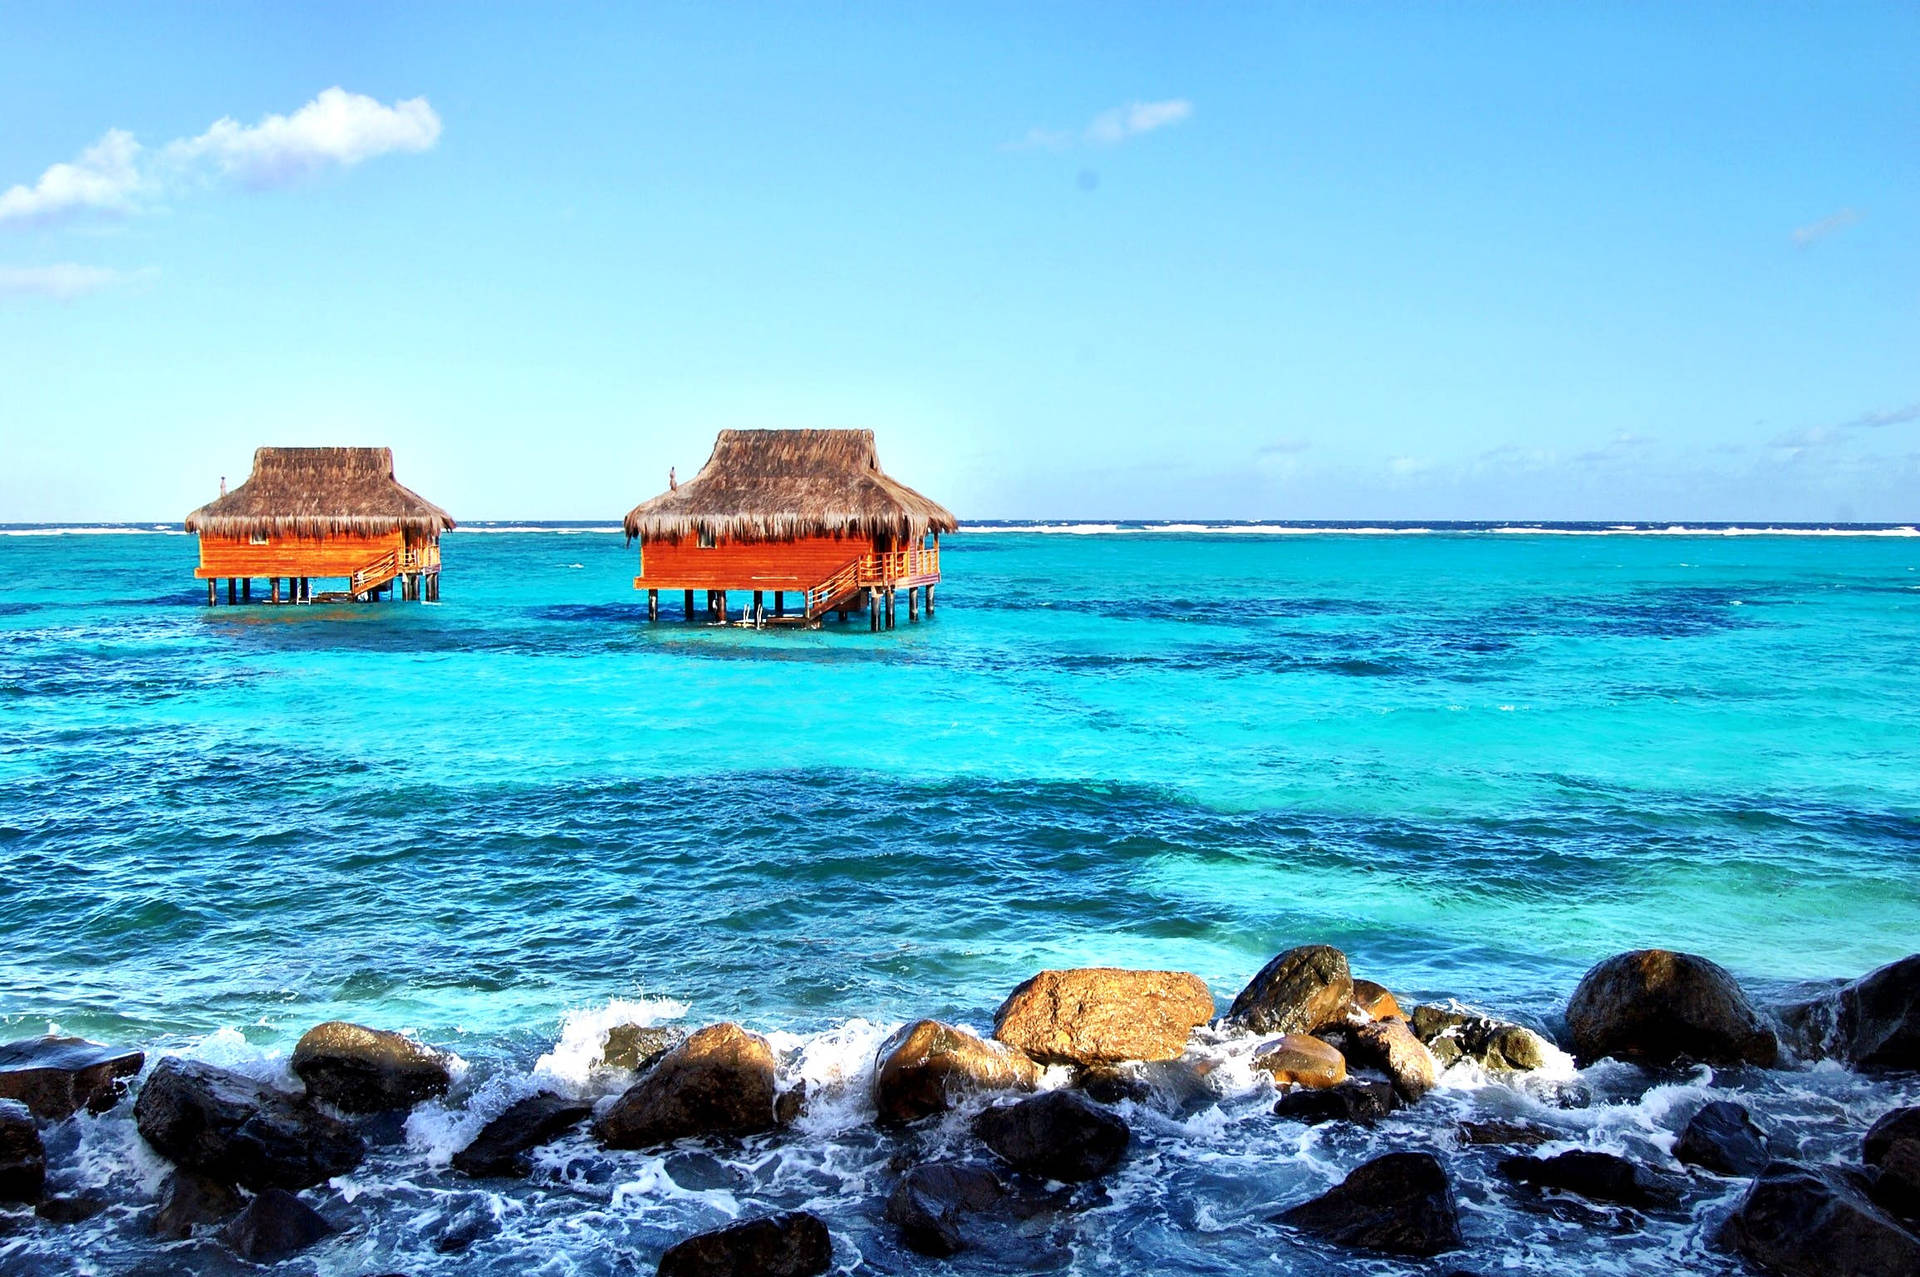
[[1477, 761]]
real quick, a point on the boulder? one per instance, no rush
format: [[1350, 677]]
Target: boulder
[[1898, 1124], [720, 1081], [1656, 1007], [500, 1149], [1297, 992], [189, 1199], [1374, 1000], [1359, 1100], [1800, 1222], [23, 1156], [56, 1077], [1300, 1059], [362, 1070], [275, 1224], [795, 1244], [927, 1065], [1452, 1035], [1723, 1138], [1389, 1045], [1057, 1135], [1114, 1083], [929, 1202], [1600, 1177], [240, 1131], [1878, 1018], [1897, 1189], [636, 1047], [1103, 1015], [1504, 1134], [1401, 1204], [71, 1208]]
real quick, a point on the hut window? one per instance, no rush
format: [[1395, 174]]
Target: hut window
[[708, 540], [258, 538]]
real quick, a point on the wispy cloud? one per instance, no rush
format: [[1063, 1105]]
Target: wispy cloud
[[63, 281], [115, 174], [1110, 127], [1885, 417], [1832, 224]]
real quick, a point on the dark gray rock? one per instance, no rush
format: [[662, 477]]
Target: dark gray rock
[[931, 1200], [234, 1129], [362, 1070], [1800, 1222], [188, 1200], [1723, 1138], [1657, 1007], [1878, 1021], [463, 1230], [1361, 1100], [1897, 1189], [1898, 1124], [500, 1149], [56, 1077], [1401, 1204], [23, 1156], [1059, 1135], [71, 1208], [795, 1244], [274, 1225], [1297, 992], [1600, 1177]]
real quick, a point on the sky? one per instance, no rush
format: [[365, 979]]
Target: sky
[[1435, 261]]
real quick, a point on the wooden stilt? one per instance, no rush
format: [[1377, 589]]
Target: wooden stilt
[[246, 589], [689, 605], [913, 605], [211, 584], [653, 605], [779, 602], [873, 612], [843, 616], [720, 606], [273, 595], [232, 591], [929, 602], [759, 604], [433, 588], [889, 607], [306, 589]]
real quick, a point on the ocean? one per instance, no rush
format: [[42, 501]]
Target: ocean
[[1477, 758]]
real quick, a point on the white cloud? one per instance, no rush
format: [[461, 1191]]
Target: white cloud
[[1887, 417], [1832, 224], [104, 178], [335, 128], [62, 281], [1109, 128]]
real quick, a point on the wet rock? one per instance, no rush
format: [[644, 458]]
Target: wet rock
[[1401, 1204], [637, 1048], [463, 1230], [1361, 1100], [1453, 1034], [1801, 1222], [1297, 992], [1899, 1124], [56, 1077], [240, 1131], [1374, 1000], [1103, 1015], [1389, 1045], [23, 1157], [1112, 1083], [1877, 1024], [1656, 1007], [189, 1199], [795, 1244], [1897, 1189], [1599, 1177], [1504, 1134], [720, 1081], [1059, 1135], [71, 1208], [927, 1065], [931, 1200], [1300, 1059], [500, 1149], [362, 1070], [1723, 1138], [274, 1225]]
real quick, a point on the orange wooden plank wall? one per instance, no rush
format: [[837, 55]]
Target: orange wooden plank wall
[[293, 556], [746, 565]]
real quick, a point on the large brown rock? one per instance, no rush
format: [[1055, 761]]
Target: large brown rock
[[240, 1131], [1401, 1204], [362, 1070], [1654, 1006], [1103, 1015], [1300, 1059], [795, 1244], [927, 1065], [56, 1077], [23, 1156], [636, 1047], [1375, 999], [1389, 1045], [1298, 992], [1058, 1135], [1797, 1221], [720, 1081]]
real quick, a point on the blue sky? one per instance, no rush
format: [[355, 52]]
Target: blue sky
[[1340, 261]]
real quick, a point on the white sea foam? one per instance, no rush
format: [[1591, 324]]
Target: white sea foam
[[574, 1062]]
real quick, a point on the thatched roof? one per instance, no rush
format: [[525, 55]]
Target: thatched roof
[[774, 484], [313, 492]]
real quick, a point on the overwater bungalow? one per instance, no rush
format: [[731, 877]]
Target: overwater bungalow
[[803, 512], [307, 513]]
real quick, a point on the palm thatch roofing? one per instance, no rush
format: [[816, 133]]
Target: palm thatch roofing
[[317, 492], [773, 485]]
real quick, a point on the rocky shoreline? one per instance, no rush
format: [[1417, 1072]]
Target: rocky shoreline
[[1045, 1100]]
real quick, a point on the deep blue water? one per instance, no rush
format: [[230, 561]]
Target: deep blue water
[[1476, 760]]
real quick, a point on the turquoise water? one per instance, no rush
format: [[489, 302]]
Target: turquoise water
[[1478, 762]]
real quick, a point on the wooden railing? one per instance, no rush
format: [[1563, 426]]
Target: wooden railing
[[821, 596], [895, 565], [396, 563]]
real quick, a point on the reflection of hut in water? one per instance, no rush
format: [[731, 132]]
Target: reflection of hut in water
[[320, 512], [803, 511]]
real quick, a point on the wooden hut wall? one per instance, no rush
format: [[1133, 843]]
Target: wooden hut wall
[[747, 565], [338, 555]]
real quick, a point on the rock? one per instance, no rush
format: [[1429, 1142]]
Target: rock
[[789, 1105], [1389, 1045], [189, 1199], [1878, 1019], [1401, 1204], [1359, 1100], [1656, 1007], [1297, 992], [274, 1225], [1103, 1015], [23, 1156], [720, 1081], [240, 1131], [1899, 1124], [795, 1244], [927, 1065], [1722, 1138], [1452, 1035], [1801, 1222], [500, 1149], [929, 1201], [1300, 1059], [459, 1234], [362, 1070], [1059, 1135], [71, 1208], [56, 1077], [1113, 1083], [1374, 1000], [636, 1048], [1507, 1134], [1897, 1190], [1600, 1177]]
